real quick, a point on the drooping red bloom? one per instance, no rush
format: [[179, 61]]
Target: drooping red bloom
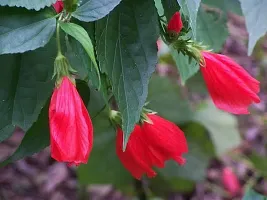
[[175, 24], [151, 145], [230, 181], [58, 6], [71, 129], [231, 88]]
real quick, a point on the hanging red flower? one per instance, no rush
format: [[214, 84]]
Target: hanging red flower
[[231, 88], [58, 6], [71, 129], [231, 182], [175, 24], [151, 145]]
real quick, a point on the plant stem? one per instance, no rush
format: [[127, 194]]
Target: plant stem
[[82, 193], [141, 193], [59, 52]]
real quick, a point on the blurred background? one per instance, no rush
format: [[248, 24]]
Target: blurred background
[[227, 158]]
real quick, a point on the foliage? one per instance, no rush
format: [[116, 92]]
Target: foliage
[[222, 128], [252, 194], [111, 45], [255, 20]]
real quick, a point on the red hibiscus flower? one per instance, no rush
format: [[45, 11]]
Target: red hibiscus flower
[[151, 145], [175, 24], [58, 6], [231, 88], [71, 129], [230, 181]]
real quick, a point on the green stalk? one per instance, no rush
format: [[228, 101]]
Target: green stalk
[[59, 52]]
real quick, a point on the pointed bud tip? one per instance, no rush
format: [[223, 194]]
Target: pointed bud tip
[[124, 145], [175, 24], [58, 6]]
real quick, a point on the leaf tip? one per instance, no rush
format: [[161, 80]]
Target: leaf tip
[[126, 137], [124, 144]]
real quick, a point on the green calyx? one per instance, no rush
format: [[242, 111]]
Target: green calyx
[[190, 48], [62, 68], [115, 117], [144, 116]]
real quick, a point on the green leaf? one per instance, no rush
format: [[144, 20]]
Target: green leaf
[[159, 7], [165, 98], [170, 7], [222, 127], [104, 166], [80, 34], [196, 84], [255, 15], [225, 5], [127, 52], [29, 4], [84, 91], [233, 6], [190, 8], [186, 68], [91, 98], [96, 104], [211, 29], [163, 186], [23, 30], [259, 162], [25, 85], [78, 57], [35, 140], [92, 10], [253, 195]]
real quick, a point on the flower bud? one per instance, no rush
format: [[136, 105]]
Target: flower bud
[[58, 6], [231, 88], [175, 25], [71, 128], [230, 181]]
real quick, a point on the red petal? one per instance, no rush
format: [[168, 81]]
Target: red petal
[[167, 138], [134, 157], [151, 145], [175, 24], [251, 83], [231, 88], [71, 129]]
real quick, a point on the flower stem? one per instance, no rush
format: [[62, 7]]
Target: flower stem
[[140, 191], [59, 52]]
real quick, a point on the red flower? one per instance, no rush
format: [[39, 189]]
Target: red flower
[[230, 181], [58, 6], [71, 129], [175, 24], [231, 88], [151, 145]]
